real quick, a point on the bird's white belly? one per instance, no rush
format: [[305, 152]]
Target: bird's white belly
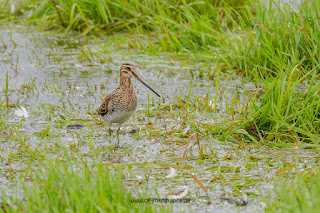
[[118, 116]]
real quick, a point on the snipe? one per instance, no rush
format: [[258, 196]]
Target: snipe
[[119, 106]]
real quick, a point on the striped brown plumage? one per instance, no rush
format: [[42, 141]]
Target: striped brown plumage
[[119, 106]]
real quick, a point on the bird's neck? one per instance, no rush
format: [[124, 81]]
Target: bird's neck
[[125, 82]]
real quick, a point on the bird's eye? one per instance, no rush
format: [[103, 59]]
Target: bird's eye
[[129, 68]]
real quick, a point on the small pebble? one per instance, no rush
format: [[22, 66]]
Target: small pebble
[[239, 201]]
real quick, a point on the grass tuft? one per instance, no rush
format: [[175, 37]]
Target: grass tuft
[[301, 194], [288, 111], [74, 187]]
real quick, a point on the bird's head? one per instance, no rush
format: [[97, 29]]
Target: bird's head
[[128, 71]]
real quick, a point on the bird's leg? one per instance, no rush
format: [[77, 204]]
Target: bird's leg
[[110, 133], [118, 131]]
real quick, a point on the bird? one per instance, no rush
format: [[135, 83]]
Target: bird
[[120, 105]]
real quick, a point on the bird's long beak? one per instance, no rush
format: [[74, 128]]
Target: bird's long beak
[[137, 77]]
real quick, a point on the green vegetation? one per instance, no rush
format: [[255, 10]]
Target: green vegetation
[[299, 195], [67, 186], [179, 26], [215, 41], [249, 37], [287, 112], [281, 39], [17, 11]]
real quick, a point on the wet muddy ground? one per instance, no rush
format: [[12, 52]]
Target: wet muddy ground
[[61, 81]]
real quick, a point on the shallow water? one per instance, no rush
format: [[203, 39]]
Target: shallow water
[[51, 77]]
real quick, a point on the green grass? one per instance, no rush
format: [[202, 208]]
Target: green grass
[[281, 39], [288, 111], [301, 194], [251, 38], [248, 36], [78, 187], [179, 26], [16, 11], [278, 47], [284, 111]]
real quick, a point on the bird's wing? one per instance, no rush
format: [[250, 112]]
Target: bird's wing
[[103, 109]]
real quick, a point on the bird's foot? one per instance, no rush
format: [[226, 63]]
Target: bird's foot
[[116, 146], [109, 130]]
